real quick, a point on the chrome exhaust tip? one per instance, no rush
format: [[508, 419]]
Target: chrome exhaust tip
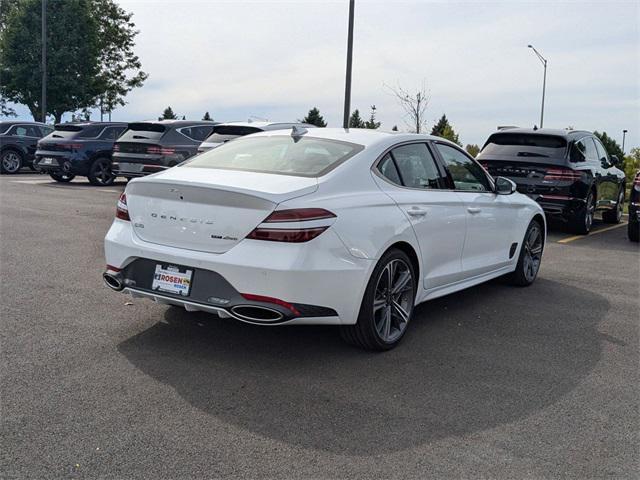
[[113, 281], [257, 314]]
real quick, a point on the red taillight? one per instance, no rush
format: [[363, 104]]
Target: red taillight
[[70, 146], [292, 235], [158, 150], [113, 269], [261, 298], [299, 215], [122, 211], [562, 174]]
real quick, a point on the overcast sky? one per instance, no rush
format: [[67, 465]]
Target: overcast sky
[[275, 60]]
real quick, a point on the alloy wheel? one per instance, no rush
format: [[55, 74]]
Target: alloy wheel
[[532, 252], [103, 173], [393, 300], [10, 162], [590, 211]]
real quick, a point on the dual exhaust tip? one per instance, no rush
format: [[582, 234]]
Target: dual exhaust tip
[[249, 313]]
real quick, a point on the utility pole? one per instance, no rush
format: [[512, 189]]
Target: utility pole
[[624, 134], [544, 81], [43, 99], [347, 87]]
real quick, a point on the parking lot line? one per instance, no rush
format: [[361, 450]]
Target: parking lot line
[[578, 237], [31, 182]]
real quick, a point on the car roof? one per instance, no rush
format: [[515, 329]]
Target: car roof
[[86, 124], [363, 136], [558, 132], [262, 124], [18, 122], [179, 123]]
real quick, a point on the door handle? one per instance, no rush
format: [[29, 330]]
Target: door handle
[[417, 211], [473, 210]]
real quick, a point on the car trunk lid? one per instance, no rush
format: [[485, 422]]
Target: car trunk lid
[[207, 210]]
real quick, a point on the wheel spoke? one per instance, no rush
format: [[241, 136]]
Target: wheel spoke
[[402, 283], [379, 303], [387, 324], [401, 312]]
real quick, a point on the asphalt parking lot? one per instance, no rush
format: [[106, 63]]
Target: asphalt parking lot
[[492, 382]]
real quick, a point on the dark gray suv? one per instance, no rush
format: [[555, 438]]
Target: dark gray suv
[[18, 141], [149, 147]]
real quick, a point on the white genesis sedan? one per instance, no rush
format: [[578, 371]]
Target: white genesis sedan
[[325, 226]]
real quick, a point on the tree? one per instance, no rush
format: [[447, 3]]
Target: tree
[[472, 149], [120, 67], [90, 58], [207, 116], [611, 146], [5, 110], [355, 121], [632, 165], [371, 123], [443, 129], [314, 118], [414, 105], [72, 72], [168, 114]]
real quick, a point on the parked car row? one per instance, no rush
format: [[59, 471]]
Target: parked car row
[[18, 142]]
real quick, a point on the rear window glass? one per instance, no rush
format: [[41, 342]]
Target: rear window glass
[[224, 133], [305, 157], [142, 131], [525, 145], [91, 132]]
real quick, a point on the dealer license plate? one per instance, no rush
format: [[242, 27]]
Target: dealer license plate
[[172, 279]]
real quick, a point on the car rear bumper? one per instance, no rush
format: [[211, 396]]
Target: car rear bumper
[[132, 170], [559, 206], [320, 279]]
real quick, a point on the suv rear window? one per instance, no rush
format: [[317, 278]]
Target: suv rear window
[[525, 145], [304, 157], [224, 133], [142, 131]]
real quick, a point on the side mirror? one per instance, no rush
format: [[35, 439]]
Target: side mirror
[[504, 186], [615, 161]]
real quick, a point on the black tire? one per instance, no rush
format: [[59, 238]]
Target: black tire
[[530, 256], [100, 173], [583, 220], [615, 215], [11, 161], [633, 231], [382, 327], [62, 177]]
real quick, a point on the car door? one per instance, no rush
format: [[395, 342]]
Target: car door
[[410, 175], [491, 218], [609, 188]]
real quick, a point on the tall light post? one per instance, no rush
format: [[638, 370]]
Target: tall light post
[[624, 134], [347, 86], [544, 80], [43, 99]]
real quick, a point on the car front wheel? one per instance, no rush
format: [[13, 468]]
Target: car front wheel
[[530, 256], [387, 305], [100, 173], [583, 219], [615, 215]]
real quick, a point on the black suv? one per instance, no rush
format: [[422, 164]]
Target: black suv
[[18, 144], [568, 172], [79, 149], [149, 147], [634, 209]]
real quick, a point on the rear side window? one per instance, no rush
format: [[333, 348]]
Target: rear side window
[[602, 153], [466, 174], [388, 169], [416, 166], [197, 133], [282, 154], [111, 133], [525, 145]]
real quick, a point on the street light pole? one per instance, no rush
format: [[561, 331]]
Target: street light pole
[[347, 86], [544, 81], [43, 99], [624, 134]]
